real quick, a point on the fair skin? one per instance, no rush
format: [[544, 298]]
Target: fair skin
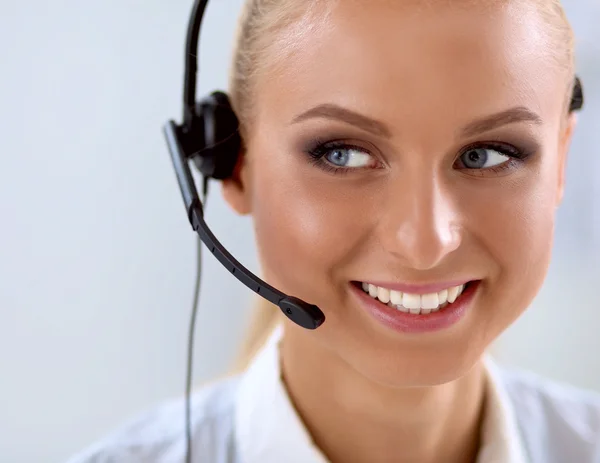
[[412, 212]]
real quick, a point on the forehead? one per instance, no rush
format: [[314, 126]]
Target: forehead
[[399, 60]]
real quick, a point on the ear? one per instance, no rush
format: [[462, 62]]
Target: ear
[[564, 146], [236, 189]]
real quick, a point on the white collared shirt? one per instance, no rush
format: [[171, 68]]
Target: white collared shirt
[[250, 419]]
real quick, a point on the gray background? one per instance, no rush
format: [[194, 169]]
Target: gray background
[[96, 255]]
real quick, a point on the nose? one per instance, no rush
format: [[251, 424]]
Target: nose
[[422, 224]]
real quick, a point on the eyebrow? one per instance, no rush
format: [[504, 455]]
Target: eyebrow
[[510, 116], [335, 112], [486, 124]]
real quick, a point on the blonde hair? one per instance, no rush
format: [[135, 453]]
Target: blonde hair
[[259, 36]]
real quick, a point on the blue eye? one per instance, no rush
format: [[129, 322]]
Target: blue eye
[[348, 157], [340, 157], [483, 158]]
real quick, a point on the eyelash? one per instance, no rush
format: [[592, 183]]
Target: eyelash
[[319, 149]]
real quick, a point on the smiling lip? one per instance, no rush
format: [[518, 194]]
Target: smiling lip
[[411, 323], [419, 289]]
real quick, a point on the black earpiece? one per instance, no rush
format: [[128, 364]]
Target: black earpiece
[[577, 98], [214, 140]]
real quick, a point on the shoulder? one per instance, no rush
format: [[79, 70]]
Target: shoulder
[[558, 422], [158, 436]]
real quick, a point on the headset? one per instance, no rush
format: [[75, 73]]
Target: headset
[[209, 137]]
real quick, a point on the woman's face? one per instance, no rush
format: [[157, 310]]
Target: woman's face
[[408, 147]]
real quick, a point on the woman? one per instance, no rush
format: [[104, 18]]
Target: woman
[[408, 159]]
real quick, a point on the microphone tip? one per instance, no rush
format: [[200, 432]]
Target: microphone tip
[[302, 313]]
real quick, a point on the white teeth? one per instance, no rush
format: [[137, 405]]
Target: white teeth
[[430, 301], [396, 297], [453, 293], [443, 296], [383, 295], [411, 301], [373, 290], [415, 304]]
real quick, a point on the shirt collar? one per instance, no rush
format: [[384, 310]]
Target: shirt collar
[[500, 435], [268, 428]]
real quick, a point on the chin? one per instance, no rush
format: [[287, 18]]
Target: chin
[[417, 368], [407, 360]]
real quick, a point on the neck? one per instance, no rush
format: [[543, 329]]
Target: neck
[[354, 420]]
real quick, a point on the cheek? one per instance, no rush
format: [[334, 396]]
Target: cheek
[[515, 225], [303, 232]]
